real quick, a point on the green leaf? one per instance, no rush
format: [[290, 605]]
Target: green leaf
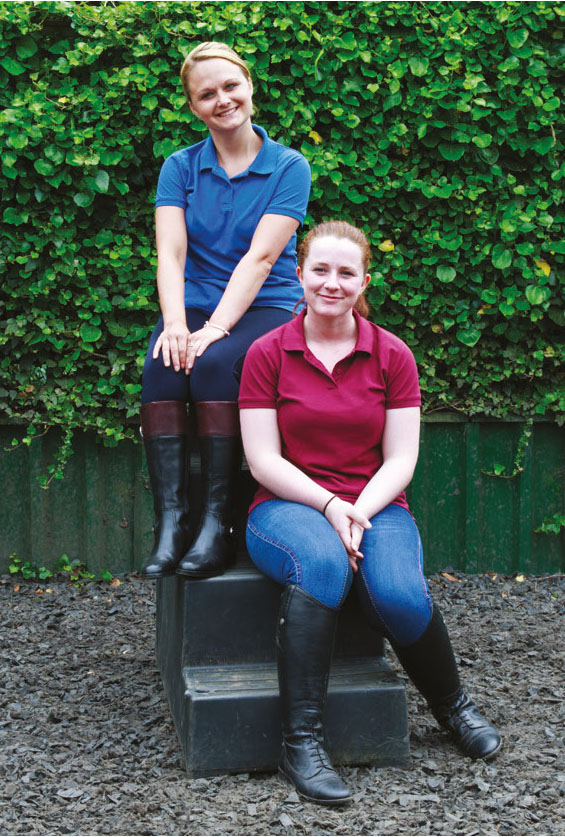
[[482, 140], [90, 333], [102, 181], [517, 37], [418, 66], [537, 294], [83, 198], [542, 146], [445, 273], [12, 66], [501, 257], [451, 152], [44, 167], [469, 336]]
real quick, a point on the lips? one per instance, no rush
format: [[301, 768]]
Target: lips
[[227, 112]]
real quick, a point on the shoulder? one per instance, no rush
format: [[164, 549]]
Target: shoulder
[[288, 157], [185, 158], [389, 342]]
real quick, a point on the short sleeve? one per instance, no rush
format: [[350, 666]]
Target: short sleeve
[[171, 188], [259, 378], [293, 190], [402, 386]]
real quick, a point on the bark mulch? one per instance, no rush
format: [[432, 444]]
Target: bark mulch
[[87, 745]]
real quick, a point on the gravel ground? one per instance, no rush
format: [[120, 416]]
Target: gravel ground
[[88, 745]]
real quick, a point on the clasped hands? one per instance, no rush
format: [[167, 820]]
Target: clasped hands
[[349, 524], [181, 347]]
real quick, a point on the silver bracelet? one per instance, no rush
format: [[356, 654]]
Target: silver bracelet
[[219, 327]]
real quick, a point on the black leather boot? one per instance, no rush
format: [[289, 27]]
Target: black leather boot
[[430, 664], [305, 635], [214, 547], [164, 427]]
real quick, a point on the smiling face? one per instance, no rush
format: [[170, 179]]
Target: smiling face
[[220, 94], [332, 276]]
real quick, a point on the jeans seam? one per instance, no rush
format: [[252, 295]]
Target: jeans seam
[[422, 577], [283, 547], [375, 608]]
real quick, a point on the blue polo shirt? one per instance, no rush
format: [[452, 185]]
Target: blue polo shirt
[[222, 214]]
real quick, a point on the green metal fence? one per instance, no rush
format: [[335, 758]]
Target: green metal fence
[[101, 512]]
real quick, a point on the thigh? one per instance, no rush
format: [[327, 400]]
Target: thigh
[[295, 544], [216, 375], [391, 579]]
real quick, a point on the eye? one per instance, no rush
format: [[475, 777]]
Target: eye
[[231, 84], [205, 96]]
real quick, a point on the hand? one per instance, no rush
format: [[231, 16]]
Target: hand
[[199, 342], [349, 524], [173, 342]]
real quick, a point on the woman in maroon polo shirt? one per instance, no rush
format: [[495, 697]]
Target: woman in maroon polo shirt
[[330, 424]]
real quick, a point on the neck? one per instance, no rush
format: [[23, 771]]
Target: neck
[[235, 145], [330, 329]]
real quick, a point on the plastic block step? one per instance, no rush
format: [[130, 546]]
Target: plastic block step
[[232, 620], [228, 717]]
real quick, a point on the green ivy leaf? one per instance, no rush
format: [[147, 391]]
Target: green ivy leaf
[[90, 333], [517, 37], [445, 273], [451, 152], [469, 336], [12, 66], [537, 294], [418, 66], [102, 181], [501, 257], [83, 198]]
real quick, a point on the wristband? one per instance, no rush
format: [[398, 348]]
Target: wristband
[[333, 497], [219, 327]]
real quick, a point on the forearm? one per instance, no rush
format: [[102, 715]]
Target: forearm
[[288, 482], [241, 290], [170, 284], [391, 478]]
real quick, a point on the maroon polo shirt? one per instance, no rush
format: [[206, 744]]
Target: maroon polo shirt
[[331, 425]]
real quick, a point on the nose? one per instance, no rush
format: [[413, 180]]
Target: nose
[[331, 280], [223, 97]]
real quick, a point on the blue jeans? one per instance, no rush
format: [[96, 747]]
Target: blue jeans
[[295, 544]]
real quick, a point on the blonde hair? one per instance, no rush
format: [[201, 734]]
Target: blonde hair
[[340, 229], [209, 49]]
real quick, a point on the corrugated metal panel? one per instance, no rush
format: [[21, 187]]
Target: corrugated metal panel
[[101, 512]]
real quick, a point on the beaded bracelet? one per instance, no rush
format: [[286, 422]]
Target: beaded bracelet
[[333, 497], [219, 327]]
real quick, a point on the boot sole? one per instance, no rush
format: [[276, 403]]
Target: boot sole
[[343, 801], [157, 575], [200, 575]]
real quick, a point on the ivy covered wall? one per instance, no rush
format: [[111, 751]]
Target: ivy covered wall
[[437, 127]]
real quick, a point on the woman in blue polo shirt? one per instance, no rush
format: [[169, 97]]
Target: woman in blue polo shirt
[[227, 210]]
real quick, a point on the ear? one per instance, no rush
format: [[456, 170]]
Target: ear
[[366, 282], [299, 274]]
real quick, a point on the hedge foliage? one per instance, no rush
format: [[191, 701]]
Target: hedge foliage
[[437, 127]]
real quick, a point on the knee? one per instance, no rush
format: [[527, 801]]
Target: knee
[[213, 377]]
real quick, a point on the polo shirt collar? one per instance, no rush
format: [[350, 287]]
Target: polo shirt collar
[[293, 336], [264, 162]]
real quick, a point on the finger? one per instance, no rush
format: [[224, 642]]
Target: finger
[[157, 348], [190, 354], [175, 354], [166, 352], [353, 563], [360, 518], [183, 348]]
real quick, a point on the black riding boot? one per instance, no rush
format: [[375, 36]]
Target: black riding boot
[[214, 547], [305, 635], [164, 427], [430, 664]]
